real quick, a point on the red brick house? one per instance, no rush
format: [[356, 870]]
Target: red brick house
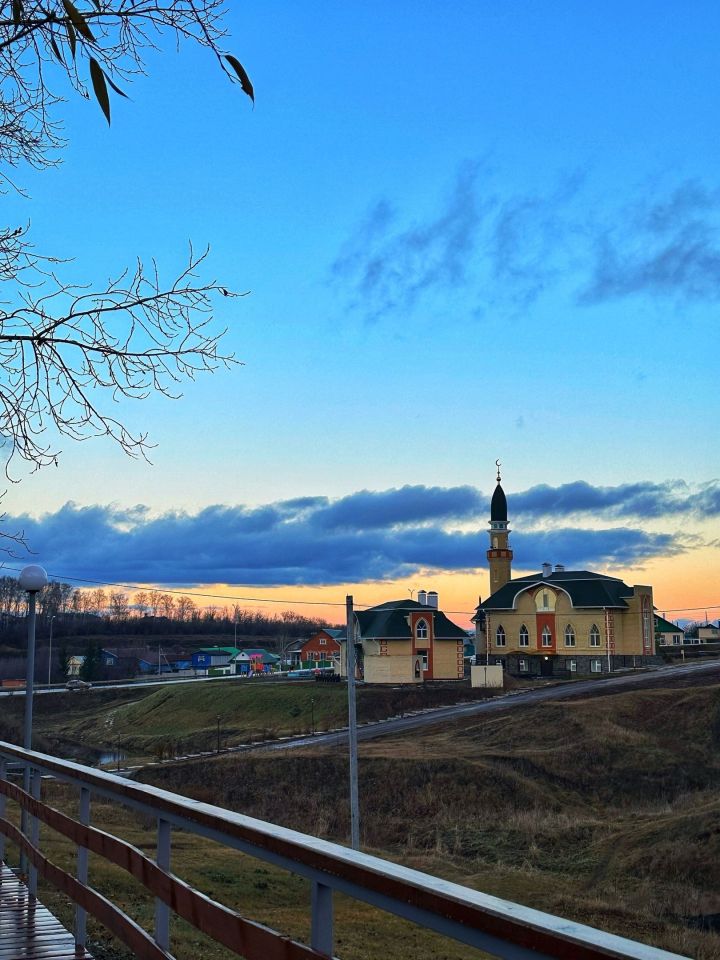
[[321, 648]]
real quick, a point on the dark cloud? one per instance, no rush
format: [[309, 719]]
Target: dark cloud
[[645, 500], [365, 536]]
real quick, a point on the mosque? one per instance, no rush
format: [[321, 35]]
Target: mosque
[[558, 622]]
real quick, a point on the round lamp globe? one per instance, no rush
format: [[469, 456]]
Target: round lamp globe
[[33, 578]]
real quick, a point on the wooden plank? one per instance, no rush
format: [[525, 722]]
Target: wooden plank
[[28, 931]]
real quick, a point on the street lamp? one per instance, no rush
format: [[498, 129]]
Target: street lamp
[[50, 649], [32, 579], [312, 712]]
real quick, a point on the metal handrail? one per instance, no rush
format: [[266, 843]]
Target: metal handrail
[[499, 927]]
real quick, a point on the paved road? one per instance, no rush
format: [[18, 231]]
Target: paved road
[[141, 684], [383, 728]]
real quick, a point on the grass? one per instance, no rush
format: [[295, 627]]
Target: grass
[[183, 718], [605, 810]]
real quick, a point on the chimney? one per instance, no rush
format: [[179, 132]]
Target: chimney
[[559, 568], [547, 570], [422, 597], [432, 599]]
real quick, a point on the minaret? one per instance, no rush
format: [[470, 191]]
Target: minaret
[[499, 555]]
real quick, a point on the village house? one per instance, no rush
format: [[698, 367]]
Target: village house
[[406, 641], [322, 649]]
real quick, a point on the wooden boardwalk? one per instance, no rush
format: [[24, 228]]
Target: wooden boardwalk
[[28, 931]]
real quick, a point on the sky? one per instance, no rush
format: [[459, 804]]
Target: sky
[[468, 232]]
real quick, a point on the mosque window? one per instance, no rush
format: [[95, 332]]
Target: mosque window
[[546, 637], [594, 636], [524, 636], [421, 630], [569, 636], [500, 636]]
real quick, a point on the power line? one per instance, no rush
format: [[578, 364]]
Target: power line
[[221, 596]]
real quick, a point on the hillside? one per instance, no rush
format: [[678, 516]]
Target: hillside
[[603, 809]]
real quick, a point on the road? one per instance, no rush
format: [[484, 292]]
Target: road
[[137, 684], [426, 718]]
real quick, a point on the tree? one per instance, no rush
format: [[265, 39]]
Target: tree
[[119, 606], [63, 347], [91, 662]]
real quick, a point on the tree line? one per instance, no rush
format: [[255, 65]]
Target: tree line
[[82, 612]]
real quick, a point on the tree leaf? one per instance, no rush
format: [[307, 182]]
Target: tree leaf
[[56, 49], [100, 87], [239, 69], [116, 88], [17, 11], [71, 37], [78, 20]]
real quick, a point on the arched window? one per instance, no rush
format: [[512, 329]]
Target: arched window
[[500, 636], [546, 637], [594, 636], [421, 630], [524, 636], [569, 636]]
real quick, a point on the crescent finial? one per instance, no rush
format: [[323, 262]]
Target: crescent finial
[[497, 464]]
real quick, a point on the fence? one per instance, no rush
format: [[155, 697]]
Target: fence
[[500, 928]]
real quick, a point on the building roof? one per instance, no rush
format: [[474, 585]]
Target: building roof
[[332, 632], [388, 621], [256, 653], [664, 626], [233, 651], [498, 504], [586, 589]]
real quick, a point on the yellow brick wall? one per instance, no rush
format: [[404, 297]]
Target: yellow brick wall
[[446, 665]]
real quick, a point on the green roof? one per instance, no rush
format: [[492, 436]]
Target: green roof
[[664, 626], [388, 621], [233, 651], [584, 588]]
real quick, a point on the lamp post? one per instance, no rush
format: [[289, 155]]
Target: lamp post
[[50, 649], [218, 733], [312, 714], [32, 579]]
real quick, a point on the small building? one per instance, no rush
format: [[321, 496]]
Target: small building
[[709, 633], [254, 661], [322, 649], [206, 658], [406, 641], [668, 634]]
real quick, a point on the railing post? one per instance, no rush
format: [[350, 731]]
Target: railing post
[[162, 910], [82, 870], [35, 785], [3, 802], [321, 933]]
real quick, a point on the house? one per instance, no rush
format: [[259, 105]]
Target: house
[[254, 661], [291, 654], [559, 622], [406, 641], [709, 633], [207, 658], [668, 634], [322, 649]]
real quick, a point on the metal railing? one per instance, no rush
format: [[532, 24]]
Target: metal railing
[[498, 927]]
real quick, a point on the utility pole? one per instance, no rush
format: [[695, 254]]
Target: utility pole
[[352, 725], [50, 649], [218, 733]]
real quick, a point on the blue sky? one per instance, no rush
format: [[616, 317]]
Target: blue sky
[[470, 231]]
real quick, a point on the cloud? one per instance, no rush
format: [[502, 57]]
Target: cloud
[[667, 247], [367, 535], [388, 270], [511, 248], [645, 500]]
